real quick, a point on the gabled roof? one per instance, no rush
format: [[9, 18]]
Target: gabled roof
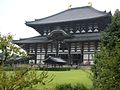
[[73, 14]]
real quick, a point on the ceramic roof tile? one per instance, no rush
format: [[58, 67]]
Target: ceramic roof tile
[[73, 14]]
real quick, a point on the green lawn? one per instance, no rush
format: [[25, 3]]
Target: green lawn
[[61, 77]]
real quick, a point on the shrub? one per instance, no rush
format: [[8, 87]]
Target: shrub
[[12, 68], [71, 87], [21, 79], [44, 69], [106, 68]]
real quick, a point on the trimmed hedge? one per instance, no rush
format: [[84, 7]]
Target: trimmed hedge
[[46, 69], [56, 69]]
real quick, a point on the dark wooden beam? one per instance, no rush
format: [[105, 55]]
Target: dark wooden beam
[[82, 49], [35, 47], [57, 48], [46, 49], [75, 47], [27, 48], [96, 45], [88, 51], [69, 53]]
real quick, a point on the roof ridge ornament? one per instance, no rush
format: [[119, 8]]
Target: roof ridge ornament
[[90, 4], [69, 7]]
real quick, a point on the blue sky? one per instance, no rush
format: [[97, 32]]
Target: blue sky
[[14, 13]]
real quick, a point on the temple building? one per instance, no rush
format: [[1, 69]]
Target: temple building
[[72, 35]]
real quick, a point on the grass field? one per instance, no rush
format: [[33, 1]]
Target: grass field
[[61, 77]]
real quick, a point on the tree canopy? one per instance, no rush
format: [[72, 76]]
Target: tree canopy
[[106, 68], [21, 78], [8, 50]]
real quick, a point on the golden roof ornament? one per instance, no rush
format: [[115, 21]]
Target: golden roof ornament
[[90, 4], [69, 7]]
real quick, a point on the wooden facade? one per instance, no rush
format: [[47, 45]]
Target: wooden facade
[[73, 38]]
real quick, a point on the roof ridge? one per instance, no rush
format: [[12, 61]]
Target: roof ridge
[[58, 13], [80, 7], [90, 8]]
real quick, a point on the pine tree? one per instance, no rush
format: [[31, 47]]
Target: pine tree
[[106, 68]]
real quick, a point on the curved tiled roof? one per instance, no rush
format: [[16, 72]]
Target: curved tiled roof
[[37, 39], [73, 14], [76, 37], [84, 37]]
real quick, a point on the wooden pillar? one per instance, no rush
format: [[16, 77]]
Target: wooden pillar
[[79, 59], [27, 48], [46, 49], [82, 49], [96, 45], [57, 48], [35, 47], [89, 51], [69, 54], [51, 47], [75, 47]]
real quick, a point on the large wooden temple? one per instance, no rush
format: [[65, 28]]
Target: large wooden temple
[[72, 35]]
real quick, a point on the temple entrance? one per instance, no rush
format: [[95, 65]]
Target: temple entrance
[[63, 56], [76, 59], [63, 49]]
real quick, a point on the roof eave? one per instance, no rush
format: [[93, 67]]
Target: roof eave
[[32, 25]]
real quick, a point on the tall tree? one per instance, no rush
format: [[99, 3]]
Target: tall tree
[[106, 68]]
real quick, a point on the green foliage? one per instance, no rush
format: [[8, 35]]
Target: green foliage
[[9, 50], [112, 32], [69, 86], [9, 68], [106, 68], [21, 79]]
